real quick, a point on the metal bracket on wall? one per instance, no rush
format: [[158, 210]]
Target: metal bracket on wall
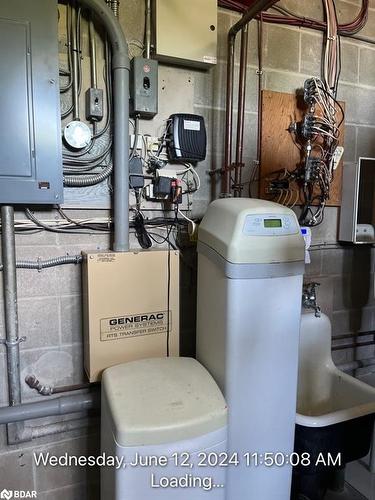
[[12, 343]]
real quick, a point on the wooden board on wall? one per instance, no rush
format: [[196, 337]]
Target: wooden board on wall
[[278, 149]]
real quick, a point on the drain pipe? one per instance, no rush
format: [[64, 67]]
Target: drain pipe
[[50, 407], [12, 340], [120, 68], [250, 14]]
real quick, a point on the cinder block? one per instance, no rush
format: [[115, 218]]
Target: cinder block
[[71, 319], [311, 48], [342, 356], [131, 15], [346, 11], [48, 478], [352, 321], [250, 135], [224, 22], [350, 154], [367, 64], [348, 260], [99, 241], [360, 104], [16, 471], [369, 29], [283, 82], [327, 231], [349, 62], [315, 267], [207, 84], [366, 142], [281, 48], [353, 291], [54, 367], [307, 9], [77, 492], [39, 322], [42, 238]]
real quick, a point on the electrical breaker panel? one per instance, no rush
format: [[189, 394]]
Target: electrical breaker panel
[[30, 135]]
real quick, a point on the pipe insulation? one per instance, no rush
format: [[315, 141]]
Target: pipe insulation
[[120, 69], [51, 407]]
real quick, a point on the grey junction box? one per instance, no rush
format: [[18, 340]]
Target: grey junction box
[[30, 135]]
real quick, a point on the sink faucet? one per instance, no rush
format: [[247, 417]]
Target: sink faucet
[[309, 297]]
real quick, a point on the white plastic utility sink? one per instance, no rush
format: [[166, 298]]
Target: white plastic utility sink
[[326, 395]]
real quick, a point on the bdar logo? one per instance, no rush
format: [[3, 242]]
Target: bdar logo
[[6, 494]]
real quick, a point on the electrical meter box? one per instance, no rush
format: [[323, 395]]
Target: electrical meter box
[[30, 135], [186, 32], [131, 307]]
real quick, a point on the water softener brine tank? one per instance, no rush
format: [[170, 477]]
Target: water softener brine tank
[[161, 418], [250, 269]]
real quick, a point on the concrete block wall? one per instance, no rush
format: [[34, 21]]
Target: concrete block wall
[[50, 301]]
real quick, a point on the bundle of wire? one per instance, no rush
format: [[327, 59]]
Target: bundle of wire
[[81, 168], [291, 19]]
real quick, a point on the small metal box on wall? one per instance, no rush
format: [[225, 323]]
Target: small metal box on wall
[[131, 307], [186, 32], [357, 216], [30, 136]]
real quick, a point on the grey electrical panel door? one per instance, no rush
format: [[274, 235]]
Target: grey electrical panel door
[[30, 135]]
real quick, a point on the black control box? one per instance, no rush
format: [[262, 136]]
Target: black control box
[[187, 139]]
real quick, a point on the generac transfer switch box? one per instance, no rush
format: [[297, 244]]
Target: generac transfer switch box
[[125, 303]]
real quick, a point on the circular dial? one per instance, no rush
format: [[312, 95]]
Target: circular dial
[[77, 134]]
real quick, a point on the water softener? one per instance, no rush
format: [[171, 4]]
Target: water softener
[[250, 269]]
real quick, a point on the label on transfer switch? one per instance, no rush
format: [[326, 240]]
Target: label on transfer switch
[[135, 325]]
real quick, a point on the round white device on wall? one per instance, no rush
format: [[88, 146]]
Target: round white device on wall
[[77, 134]]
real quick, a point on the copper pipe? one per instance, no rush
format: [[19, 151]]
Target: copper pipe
[[241, 112], [250, 14], [225, 180]]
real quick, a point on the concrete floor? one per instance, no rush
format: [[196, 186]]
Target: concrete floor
[[349, 494], [361, 479]]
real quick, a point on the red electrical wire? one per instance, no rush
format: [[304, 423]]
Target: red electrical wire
[[347, 29]]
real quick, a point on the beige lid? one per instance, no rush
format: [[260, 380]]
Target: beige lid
[[250, 231], [162, 400]]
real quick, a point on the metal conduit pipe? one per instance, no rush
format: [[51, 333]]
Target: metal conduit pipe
[[45, 264], [75, 66], [250, 14], [12, 340], [50, 407], [241, 112], [148, 29], [120, 68]]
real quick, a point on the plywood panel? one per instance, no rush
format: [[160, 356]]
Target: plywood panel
[[278, 148]]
